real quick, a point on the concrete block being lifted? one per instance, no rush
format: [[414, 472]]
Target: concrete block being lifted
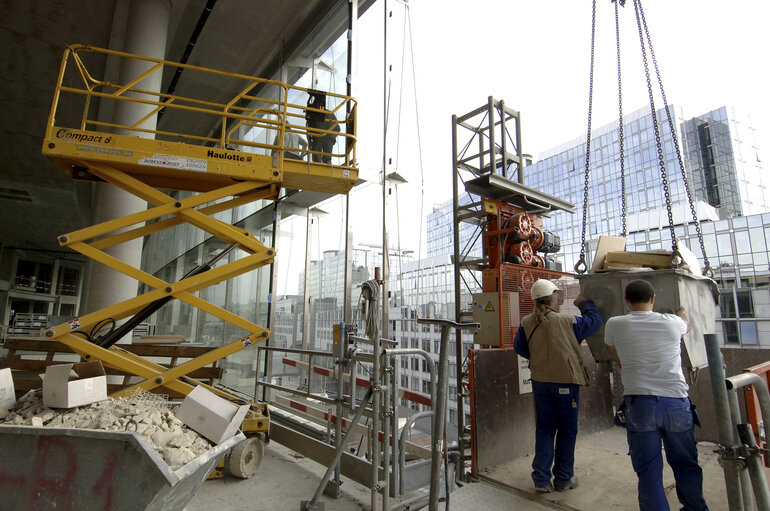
[[673, 289]]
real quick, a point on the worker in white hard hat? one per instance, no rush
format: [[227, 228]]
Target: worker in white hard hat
[[551, 341]]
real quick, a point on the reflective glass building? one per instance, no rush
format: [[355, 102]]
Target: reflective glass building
[[730, 190], [723, 169]]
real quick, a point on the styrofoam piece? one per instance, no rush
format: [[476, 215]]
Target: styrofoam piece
[[210, 415], [89, 386], [7, 390]]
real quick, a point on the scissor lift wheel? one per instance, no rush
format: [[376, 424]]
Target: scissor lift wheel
[[246, 457]]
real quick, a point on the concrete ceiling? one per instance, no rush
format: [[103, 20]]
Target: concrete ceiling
[[39, 202]]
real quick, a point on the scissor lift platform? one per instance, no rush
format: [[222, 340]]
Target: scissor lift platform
[[238, 166]]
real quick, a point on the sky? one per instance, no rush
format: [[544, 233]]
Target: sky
[[535, 56]]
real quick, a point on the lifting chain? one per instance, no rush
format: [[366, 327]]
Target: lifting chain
[[676, 257], [623, 231], [581, 266], [706, 265]]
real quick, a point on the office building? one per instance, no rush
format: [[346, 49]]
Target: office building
[[731, 200], [728, 179]]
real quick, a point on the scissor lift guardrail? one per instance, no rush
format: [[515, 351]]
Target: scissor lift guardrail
[[228, 170]]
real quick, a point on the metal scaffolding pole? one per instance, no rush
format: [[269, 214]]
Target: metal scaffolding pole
[[724, 422]]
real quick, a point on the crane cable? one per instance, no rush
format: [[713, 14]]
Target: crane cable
[[676, 256], [581, 266], [623, 231], [706, 265]]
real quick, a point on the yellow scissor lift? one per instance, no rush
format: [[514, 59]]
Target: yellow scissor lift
[[229, 168]]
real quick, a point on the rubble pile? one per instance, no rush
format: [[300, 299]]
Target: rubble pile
[[149, 416]]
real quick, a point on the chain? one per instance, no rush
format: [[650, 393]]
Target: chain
[[706, 265], [581, 266], [676, 258], [623, 232]]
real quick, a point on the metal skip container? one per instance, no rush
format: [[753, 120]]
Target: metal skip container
[[71, 469], [674, 288]]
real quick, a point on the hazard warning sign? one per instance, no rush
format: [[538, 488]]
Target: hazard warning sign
[[489, 307]]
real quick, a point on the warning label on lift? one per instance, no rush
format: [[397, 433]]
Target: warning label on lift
[[175, 162], [489, 307]]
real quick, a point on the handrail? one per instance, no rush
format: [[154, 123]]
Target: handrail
[[254, 105]]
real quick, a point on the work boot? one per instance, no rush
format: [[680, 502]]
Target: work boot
[[569, 485], [544, 489]]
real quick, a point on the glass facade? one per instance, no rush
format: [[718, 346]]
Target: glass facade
[[561, 172], [172, 253], [723, 159], [725, 175]]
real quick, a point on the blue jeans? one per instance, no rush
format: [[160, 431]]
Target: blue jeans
[[650, 420], [556, 405]]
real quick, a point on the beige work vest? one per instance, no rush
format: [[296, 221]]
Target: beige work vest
[[554, 350]]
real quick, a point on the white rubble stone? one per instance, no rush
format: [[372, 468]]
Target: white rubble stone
[[183, 440], [167, 434], [47, 415], [161, 439], [177, 458]]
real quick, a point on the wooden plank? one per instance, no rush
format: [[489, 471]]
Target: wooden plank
[[23, 385], [138, 349], [638, 258], [39, 366]]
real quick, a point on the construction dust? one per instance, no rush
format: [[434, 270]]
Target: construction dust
[[148, 414]]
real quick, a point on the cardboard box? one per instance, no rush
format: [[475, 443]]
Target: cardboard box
[[210, 415], [70, 385], [7, 390]]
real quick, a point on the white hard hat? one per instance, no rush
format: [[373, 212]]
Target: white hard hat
[[542, 288]]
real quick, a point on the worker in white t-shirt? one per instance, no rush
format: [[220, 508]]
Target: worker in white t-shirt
[[294, 145], [655, 403]]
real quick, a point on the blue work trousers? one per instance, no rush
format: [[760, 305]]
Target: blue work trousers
[[650, 420], [556, 405]]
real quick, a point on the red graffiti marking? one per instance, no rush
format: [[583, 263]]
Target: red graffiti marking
[[106, 480], [48, 489], [9, 480]]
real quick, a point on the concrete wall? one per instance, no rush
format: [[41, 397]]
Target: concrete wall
[[736, 359]]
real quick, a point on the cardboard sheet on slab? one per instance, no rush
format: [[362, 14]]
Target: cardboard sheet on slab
[[606, 244]]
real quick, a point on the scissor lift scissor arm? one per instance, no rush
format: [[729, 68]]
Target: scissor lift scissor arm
[[227, 170]]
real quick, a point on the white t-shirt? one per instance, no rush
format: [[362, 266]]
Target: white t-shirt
[[648, 345]]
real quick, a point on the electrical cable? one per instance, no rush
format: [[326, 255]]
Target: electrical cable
[[370, 294]]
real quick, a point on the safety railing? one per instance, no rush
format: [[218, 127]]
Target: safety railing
[[273, 108], [753, 409]]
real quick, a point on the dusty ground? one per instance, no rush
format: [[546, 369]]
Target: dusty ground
[[283, 481], [607, 480]]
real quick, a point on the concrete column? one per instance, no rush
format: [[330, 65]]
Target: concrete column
[[146, 32]]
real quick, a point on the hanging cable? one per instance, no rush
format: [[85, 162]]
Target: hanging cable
[[706, 265], [676, 257], [623, 231], [370, 293], [419, 150], [581, 266]]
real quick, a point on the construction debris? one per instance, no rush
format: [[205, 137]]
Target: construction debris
[[148, 414]]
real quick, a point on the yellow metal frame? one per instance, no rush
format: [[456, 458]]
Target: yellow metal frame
[[227, 171], [167, 159], [156, 375]]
